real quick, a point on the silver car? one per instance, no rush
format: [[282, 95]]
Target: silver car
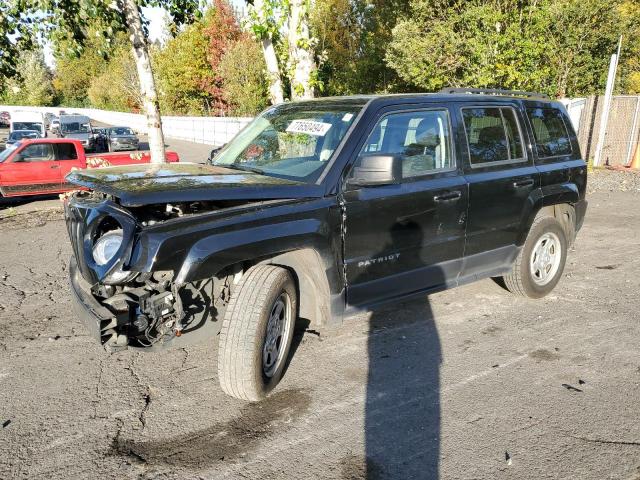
[[122, 138]]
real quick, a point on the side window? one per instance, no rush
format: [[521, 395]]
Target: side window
[[39, 152], [550, 132], [493, 135], [66, 151], [421, 138]]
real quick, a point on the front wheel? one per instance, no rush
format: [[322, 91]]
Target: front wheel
[[539, 265], [256, 332]]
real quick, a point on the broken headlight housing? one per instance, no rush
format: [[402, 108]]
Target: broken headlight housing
[[107, 246], [102, 236], [104, 250]]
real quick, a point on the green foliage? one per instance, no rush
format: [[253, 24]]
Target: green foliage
[[117, 88], [560, 47], [187, 68], [76, 68], [14, 37], [242, 69], [183, 73], [352, 38], [266, 18], [33, 84]]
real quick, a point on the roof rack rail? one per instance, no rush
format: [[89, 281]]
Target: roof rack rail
[[494, 91]]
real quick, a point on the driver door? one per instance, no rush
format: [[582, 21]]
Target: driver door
[[407, 237], [32, 170]]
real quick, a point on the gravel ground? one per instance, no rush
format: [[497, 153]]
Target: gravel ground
[[601, 180], [471, 383]]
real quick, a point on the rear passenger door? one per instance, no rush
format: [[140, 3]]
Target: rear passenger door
[[407, 237], [557, 152], [499, 168]]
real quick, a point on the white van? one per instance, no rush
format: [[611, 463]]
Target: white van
[[22, 120]]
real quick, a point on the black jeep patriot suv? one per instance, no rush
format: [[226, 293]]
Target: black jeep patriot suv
[[321, 208]]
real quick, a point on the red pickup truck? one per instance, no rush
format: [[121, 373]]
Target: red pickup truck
[[39, 166]]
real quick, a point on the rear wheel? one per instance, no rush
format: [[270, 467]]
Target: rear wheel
[[539, 266], [256, 333]]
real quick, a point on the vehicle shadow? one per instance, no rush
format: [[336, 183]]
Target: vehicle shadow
[[402, 409], [9, 202]]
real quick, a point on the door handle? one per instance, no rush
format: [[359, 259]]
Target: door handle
[[523, 183], [55, 166], [448, 197]]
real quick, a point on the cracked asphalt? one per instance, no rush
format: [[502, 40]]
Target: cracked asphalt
[[471, 383]]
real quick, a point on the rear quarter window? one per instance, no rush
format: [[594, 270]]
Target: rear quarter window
[[550, 132]]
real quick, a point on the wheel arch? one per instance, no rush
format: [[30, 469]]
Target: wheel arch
[[557, 201], [312, 283]]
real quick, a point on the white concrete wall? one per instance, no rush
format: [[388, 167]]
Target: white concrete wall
[[208, 130]]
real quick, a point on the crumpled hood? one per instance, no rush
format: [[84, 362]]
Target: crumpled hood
[[146, 184]]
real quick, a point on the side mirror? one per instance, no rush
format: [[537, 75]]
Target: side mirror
[[213, 153], [376, 170]]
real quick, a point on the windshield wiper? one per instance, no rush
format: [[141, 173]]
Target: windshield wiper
[[245, 168]]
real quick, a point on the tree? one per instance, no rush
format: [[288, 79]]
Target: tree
[[265, 24], [353, 36], [32, 86], [245, 86], [222, 30], [559, 47], [188, 67], [117, 15], [77, 68], [14, 38], [117, 88], [302, 65], [185, 78]]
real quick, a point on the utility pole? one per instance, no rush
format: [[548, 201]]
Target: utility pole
[[608, 94]]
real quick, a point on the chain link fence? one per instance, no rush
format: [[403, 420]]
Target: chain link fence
[[622, 136]]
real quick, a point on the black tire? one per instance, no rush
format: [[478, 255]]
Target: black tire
[[241, 367], [522, 280]]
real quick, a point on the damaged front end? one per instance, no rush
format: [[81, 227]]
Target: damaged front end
[[124, 308]]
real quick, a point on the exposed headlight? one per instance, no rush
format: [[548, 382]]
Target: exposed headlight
[[107, 246]]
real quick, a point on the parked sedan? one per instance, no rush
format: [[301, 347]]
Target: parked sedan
[[18, 135], [121, 138]]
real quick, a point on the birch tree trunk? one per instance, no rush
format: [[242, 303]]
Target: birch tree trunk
[[147, 84], [273, 71], [264, 33], [303, 65]]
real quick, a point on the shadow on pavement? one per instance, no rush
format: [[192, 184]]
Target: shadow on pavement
[[402, 411], [12, 202]]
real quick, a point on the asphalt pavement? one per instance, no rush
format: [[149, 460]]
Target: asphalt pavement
[[471, 383]]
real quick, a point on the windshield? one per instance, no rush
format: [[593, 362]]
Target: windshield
[[27, 126], [293, 141], [8, 151], [121, 131], [75, 127], [23, 134]]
